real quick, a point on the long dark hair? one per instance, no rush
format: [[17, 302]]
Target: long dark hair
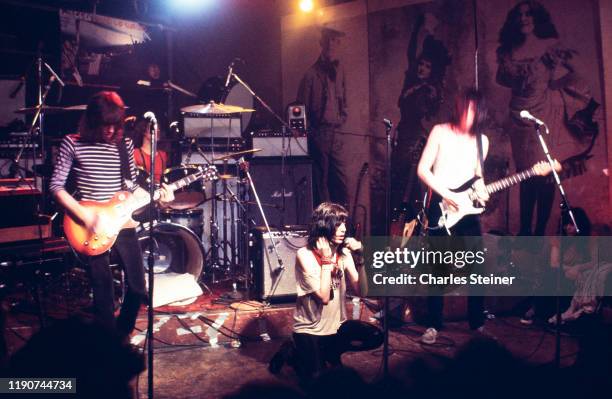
[[104, 108], [326, 218], [510, 35], [462, 102]]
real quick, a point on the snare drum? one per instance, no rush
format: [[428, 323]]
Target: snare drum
[[189, 218], [190, 196]]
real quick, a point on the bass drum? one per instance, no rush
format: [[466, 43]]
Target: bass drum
[[176, 249]]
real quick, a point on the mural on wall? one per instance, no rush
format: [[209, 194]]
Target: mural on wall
[[325, 67], [535, 56]]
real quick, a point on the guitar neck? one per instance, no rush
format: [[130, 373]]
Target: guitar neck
[[185, 181], [509, 181]]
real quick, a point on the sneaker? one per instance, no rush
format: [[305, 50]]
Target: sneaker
[[429, 336], [527, 318]]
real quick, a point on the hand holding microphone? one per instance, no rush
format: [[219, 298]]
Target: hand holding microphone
[[352, 244]]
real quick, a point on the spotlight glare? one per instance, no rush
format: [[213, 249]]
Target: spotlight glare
[[306, 5], [188, 5]]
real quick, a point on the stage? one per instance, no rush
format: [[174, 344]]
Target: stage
[[210, 348]]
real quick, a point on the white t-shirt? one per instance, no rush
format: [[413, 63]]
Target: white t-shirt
[[311, 316]]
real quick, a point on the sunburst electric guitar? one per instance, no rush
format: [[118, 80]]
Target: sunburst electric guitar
[[446, 217], [116, 214]]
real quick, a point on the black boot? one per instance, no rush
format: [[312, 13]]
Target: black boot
[[285, 354]]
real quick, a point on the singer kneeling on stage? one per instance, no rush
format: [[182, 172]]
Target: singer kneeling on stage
[[321, 332]]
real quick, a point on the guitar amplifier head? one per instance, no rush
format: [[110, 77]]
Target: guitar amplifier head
[[274, 282], [212, 127], [272, 144]]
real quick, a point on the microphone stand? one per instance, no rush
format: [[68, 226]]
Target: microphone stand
[[151, 258], [565, 207], [388, 128]]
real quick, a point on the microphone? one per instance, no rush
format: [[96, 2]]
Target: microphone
[[150, 116], [230, 71], [388, 123], [526, 115], [52, 72]]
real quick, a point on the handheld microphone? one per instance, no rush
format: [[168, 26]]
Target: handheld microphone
[[388, 123], [526, 115], [52, 72]]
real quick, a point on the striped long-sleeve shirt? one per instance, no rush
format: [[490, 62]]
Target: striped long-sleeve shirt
[[96, 168]]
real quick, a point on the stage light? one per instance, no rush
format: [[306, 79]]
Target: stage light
[[306, 5], [189, 5]]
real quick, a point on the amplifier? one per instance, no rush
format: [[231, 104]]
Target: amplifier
[[212, 148], [273, 282], [212, 127], [271, 144]]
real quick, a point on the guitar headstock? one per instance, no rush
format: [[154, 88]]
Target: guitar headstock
[[542, 168]]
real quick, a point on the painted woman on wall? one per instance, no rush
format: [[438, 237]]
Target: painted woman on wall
[[538, 68], [420, 98]]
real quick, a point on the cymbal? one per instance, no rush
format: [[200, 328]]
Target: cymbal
[[51, 109], [236, 155], [213, 108]]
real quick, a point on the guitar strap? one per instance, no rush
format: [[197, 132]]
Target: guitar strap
[[480, 153], [125, 165]]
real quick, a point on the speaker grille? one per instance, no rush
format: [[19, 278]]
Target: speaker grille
[[268, 181], [273, 282]]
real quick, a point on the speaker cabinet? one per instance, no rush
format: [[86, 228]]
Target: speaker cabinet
[[273, 282], [269, 180]]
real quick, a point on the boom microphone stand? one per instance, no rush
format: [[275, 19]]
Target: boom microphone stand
[[565, 207]]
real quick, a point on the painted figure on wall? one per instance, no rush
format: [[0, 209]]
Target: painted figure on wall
[[420, 99], [323, 91], [540, 72]]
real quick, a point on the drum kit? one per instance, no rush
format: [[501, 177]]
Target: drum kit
[[203, 231]]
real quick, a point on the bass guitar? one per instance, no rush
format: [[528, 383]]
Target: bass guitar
[[446, 217], [116, 215]]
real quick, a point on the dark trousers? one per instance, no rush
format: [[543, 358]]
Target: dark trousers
[[536, 195], [312, 352], [130, 257], [468, 226], [329, 167]]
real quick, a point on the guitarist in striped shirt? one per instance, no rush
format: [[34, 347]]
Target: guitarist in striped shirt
[[93, 158]]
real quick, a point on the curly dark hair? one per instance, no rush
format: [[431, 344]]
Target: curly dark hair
[[326, 218], [510, 35], [104, 108], [462, 102]]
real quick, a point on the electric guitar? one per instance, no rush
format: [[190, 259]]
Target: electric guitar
[[446, 217], [116, 215]]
